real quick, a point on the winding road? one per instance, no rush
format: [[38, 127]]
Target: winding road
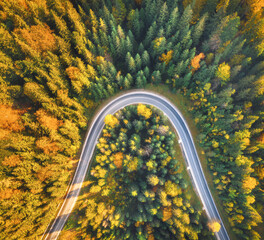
[[185, 139]]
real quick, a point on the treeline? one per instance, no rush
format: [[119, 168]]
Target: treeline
[[137, 189], [57, 57]]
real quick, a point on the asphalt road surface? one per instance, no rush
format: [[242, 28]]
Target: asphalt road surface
[[185, 139]]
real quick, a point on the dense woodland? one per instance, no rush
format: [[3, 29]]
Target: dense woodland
[[137, 190], [60, 57]]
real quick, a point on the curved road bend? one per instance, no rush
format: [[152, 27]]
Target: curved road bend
[[186, 140]]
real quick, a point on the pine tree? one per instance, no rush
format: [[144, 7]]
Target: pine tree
[[119, 11], [130, 79], [230, 29], [128, 56], [61, 25], [132, 65], [129, 45], [138, 62], [127, 84], [145, 58], [172, 24], [185, 18], [156, 77], [150, 35], [163, 15], [141, 48], [198, 30]]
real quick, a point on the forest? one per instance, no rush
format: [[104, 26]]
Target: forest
[[61, 58], [136, 187]]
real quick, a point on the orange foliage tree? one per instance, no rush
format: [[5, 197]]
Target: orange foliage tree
[[8, 193], [167, 214], [195, 62], [73, 72], [45, 173], [38, 37], [47, 146], [138, 2], [12, 161], [47, 120], [118, 159], [10, 121], [261, 138], [254, 7]]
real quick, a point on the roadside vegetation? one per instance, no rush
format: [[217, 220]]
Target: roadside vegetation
[[184, 105], [136, 187], [59, 58]]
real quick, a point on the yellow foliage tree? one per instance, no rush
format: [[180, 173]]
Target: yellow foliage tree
[[222, 4], [172, 189], [153, 180], [223, 72], [259, 85], [158, 41], [214, 226], [254, 27], [93, 20], [111, 120], [100, 60], [166, 57], [142, 110], [185, 218], [249, 183]]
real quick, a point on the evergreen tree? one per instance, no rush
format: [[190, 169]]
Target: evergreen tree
[[199, 28]]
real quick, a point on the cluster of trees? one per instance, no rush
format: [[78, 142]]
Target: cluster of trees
[[137, 190], [58, 57], [227, 95], [213, 54], [44, 82]]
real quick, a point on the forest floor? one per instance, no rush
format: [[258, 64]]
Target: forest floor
[[183, 105]]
